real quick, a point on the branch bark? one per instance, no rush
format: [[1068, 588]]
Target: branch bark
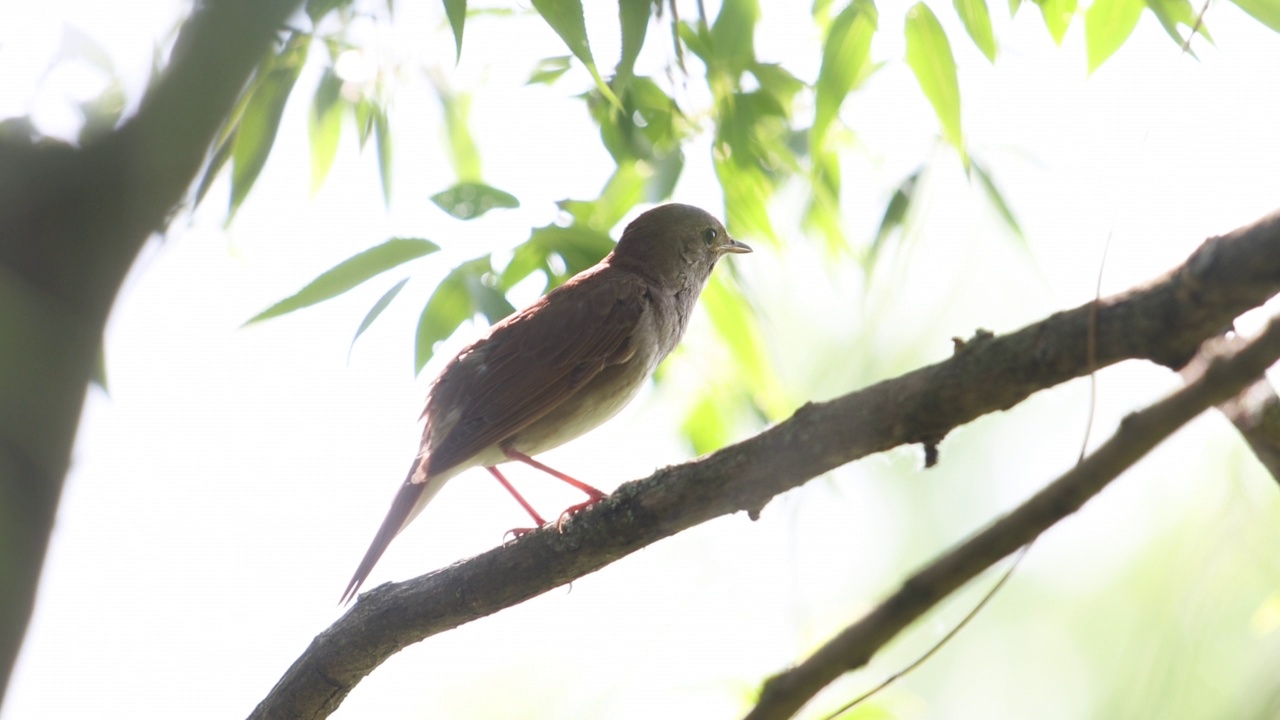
[[1222, 374], [72, 220], [1164, 321]]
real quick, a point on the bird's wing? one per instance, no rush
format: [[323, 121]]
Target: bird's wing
[[533, 361]]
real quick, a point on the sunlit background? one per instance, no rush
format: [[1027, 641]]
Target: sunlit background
[[223, 492]]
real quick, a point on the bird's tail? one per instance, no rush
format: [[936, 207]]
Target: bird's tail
[[407, 504]]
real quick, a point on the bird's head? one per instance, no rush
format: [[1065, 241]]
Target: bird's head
[[677, 244]]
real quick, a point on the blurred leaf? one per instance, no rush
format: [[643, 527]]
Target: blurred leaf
[[733, 320], [382, 134], [447, 308], [462, 147], [257, 130], [977, 22], [363, 110], [746, 195], [929, 55], [325, 126], [778, 83], [997, 200], [1171, 13], [733, 36], [577, 246], [565, 17], [706, 425], [845, 63], [823, 211], [221, 154], [350, 273], [317, 9], [470, 200], [895, 213], [1266, 12], [548, 70], [467, 289], [1013, 7], [376, 310], [1057, 16], [1107, 24], [624, 191], [633, 17], [665, 174], [457, 12], [102, 113]]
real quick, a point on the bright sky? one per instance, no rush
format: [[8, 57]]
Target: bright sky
[[221, 496]]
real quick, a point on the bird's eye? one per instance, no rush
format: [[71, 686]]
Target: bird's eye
[[709, 236]]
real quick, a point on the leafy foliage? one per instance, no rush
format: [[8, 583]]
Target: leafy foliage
[[764, 139]]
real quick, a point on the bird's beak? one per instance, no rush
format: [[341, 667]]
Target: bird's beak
[[735, 247]]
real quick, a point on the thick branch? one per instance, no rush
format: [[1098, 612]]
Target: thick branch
[[1165, 321], [71, 222], [1255, 411], [1139, 433]]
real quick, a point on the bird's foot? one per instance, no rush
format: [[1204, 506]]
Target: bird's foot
[[516, 534], [574, 509]]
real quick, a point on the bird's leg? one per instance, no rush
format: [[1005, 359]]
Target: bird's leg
[[520, 499], [595, 495]]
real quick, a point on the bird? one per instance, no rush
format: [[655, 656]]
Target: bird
[[562, 366]]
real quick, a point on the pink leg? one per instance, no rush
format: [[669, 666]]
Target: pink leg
[[520, 499], [595, 495]]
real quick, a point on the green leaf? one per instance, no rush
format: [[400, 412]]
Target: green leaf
[[733, 36], [624, 191], [317, 9], [447, 308], [257, 131], [1266, 12], [470, 200], [633, 16], [977, 21], [363, 110], [895, 213], [220, 156], [997, 200], [325, 126], [1107, 24], [382, 133], [1057, 16], [565, 17], [706, 425], [929, 55], [376, 310], [462, 147], [846, 63], [548, 70], [466, 290], [1171, 13], [746, 195], [1013, 7], [350, 273], [457, 12]]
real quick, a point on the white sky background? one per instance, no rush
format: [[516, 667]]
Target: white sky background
[[222, 495]]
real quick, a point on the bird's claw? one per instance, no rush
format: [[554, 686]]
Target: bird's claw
[[573, 509], [516, 534]]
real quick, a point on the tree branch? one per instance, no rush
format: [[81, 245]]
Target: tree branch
[[72, 220], [1222, 376], [1165, 321]]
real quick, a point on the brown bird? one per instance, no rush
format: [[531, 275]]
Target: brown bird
[[561, 366]]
